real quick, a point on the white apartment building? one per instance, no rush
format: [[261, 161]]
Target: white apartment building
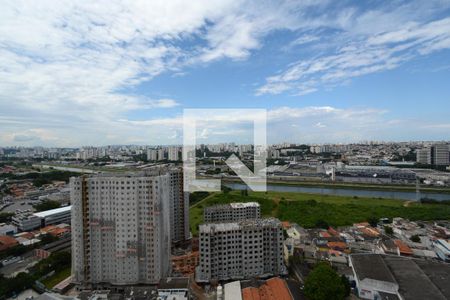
[[232, 212], [121, 228], [161, 154], [173, 153], [152, 154], [240, 250]]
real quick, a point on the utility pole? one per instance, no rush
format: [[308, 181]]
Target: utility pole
[[417, 189]]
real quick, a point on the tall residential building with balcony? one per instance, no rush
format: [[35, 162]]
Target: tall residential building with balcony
[[152, 154], [161, 154], [121, 226], [173, 153], [440, 154], [179, 207], [423, 156], [232, 212], [240, 250]]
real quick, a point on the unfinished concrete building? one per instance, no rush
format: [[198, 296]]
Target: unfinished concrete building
[[232, 212], [240, 250]]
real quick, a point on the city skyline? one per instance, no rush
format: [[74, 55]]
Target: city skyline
[[115, 73]]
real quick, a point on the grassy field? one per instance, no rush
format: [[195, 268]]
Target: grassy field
[[309, 209], [56, 278]]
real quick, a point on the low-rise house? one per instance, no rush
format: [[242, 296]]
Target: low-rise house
[[7, 242], [387, 246], [7, 229], [27, 242], [274, 288], [299, 234], [339, 246], [403, 248], [337, 257], [442, 249]]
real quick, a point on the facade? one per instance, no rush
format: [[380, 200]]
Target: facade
[[26, 222], [161, 154], [440, 154], [423, 156], [179, 207], [232, 212], [152, 154], [240, 250], [173, 153], [6, 229], [55, 216], [121, 228]]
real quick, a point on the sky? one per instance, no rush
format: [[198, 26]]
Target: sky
[[79, 73]]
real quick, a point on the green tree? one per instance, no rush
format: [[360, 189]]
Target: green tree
[[373, 221], [226, 190], [322, 224], [323, 283], [5, 217], [346, 284], [47, 205], [388, 230], [415, 238]]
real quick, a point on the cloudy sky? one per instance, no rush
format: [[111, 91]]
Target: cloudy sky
[[113, 72]]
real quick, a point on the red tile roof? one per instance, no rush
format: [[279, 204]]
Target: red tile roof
[[337, 245], [7, 242], [273, 289], [404, 249]]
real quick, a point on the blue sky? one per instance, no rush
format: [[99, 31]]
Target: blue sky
[[115, 72]]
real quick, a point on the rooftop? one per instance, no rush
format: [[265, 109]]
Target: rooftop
[[372, 267], [50, 212], [227, 226], [272, 289], [232, 291], [232, 205], [244, 204], [416, 279], [413, 282]]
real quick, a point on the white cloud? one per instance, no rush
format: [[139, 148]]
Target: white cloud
[[364, 43], [73, 69], [76, 64], [284, 123]]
